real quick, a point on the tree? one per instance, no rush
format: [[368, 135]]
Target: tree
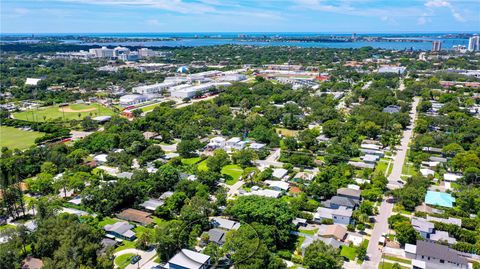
[[169, 237], [319, 255], [164, 179], [187, 148], [452, 149], [405, 233], [244, 157], [218, 160], [466, 159]]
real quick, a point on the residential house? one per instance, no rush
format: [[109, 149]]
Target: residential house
[[427, 172], [121, 230], [188, 259], [333, 231], [341, 215], [362, 165], [152, 204], [217, 236], [216, 143], [439, 199], [304, 176], [450, 220], [442, 236], [430, 255], [278, 185], [219, 222], [265, 193], [391, 109], [350, 193], [424, 227], [30, 263], [329, 241], [299, 222], [257, 146], [134, 215], [279, 173], [341, 201]]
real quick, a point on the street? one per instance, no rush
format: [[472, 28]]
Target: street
[[386, 208]]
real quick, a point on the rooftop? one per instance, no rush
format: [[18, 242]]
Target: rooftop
[[439, 198], [189, 259], [134, 215], [431, 249]]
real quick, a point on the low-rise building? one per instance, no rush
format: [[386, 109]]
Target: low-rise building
[[188, 259], [137, 216], [121, 230], [430, 255], [422, 226], [278, 185], [341, 215], [340, 201]]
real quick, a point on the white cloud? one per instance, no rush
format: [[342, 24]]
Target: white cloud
[[432, 4]]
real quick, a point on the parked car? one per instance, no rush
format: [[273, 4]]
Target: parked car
[[135, 259]]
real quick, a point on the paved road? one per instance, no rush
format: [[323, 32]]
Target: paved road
[[386, 208], [399, 159], [146, 257], [232, 190]]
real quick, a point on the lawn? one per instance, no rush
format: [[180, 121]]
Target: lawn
[[70, 112], [396, 259], [6, 226], [107, 221], [408, 169], [190, 161], [349, 252], [387, 265], [17, 138], [123, 260], [149, 107], [309, 232], [202, 166], [287, 132], [125, 245], [382, 166], [234, 171]]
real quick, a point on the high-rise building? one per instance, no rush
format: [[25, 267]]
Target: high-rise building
[[474, 43], [436, 45]]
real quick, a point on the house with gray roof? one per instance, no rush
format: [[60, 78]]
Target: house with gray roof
[[152, 204], [217, 236], [450, 220], [430, 255], [219, 222], [442, 236], [424, 227], [121, 230], [339, 201], [349, 193], [188, 259], [391, 109]]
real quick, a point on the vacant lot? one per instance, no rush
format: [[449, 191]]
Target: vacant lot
[[71, 112], [15, 138]]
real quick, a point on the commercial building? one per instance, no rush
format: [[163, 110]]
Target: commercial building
[[191, 91], [155, 88], [392, 69], [102, 52], [133, 99]]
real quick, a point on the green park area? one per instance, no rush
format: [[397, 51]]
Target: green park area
[[123, 260], [232, 170], [15, 138], [70, 112]]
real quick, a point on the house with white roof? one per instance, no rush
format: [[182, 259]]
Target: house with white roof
[[341, 215], [279, 173], [100, 158], [216, 143], [450, 177], [427, 172], [265, 193], [188, 259], [278, 185], [226, 224]]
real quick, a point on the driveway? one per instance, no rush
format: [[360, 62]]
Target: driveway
[[233, 189], [147, 256]]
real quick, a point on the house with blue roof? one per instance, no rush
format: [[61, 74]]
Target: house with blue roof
[[439, 199]]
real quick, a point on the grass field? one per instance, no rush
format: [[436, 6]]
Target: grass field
[[349, 252], [16, 138], [149, 107], [70, 112], [309, 232], [234, 171], [190, 161], [6, 226], [107, 221], [202, 166]]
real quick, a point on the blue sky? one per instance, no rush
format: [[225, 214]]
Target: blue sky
[[361, 16]]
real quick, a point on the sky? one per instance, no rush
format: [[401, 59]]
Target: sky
[[168, 16]]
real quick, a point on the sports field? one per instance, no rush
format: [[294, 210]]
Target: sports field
[[70, 112], [17, 138]]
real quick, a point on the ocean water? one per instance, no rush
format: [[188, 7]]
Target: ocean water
[[212, 39]]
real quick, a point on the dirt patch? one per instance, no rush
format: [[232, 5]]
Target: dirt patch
[[69, 110]]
